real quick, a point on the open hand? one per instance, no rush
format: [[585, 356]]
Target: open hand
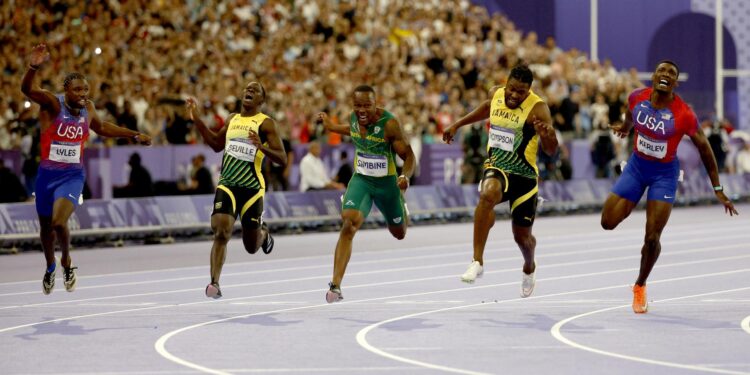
[[254, 138], [449, 133], [728, 205], [39, 54], [619, 130], [543, 129], [191, 106]]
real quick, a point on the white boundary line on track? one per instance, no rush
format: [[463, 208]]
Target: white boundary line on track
[[388, 260], [160, 345], [556, 332], [362, 334], [624, 233], [515, 269], [745, 324]]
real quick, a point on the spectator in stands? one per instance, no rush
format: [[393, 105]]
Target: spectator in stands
[[139, 183], [474, 144], [718, 139], [313, 173], [247, 138], [345, 172], [11, 189], [278, 174], [201, 181]]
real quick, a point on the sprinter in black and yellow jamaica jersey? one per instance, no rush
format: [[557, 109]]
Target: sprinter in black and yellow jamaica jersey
[[377, 138], [246, 139], [520, 122]]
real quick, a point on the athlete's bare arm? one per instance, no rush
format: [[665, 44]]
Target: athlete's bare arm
[[541, 119], [44, 98], [109, 129], [342, 129], [395, 136], [275, 149], [709, 161], [479, 113], [215, 140], [622, 129]]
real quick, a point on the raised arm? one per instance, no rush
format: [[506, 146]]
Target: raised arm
[[108, 129], [478, 114], [275, 148], [215, 140], [541, 120], [342, 129], [44, 98], [395, 135], [709, 161]]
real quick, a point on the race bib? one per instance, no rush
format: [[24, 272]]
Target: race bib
[[372, 165], [502, 138], [651, 147], [241, 149], [62, 152]]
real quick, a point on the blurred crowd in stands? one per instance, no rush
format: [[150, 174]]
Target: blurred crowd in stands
[[429, 60]]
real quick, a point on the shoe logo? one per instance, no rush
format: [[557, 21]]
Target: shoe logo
[[349, 203], [254, 219], [528, 218], [217, 205], [397, 220], [667, 197]]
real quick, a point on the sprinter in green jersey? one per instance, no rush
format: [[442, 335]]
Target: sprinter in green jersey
[[520, 122], [247, 138], [377, 138]]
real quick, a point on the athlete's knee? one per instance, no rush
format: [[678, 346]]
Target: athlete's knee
[[525, 241], [608, 224], [251, 243], [398, 233], [348, 227], [59, 225], [222, 234], [490, 197], [652, 242]]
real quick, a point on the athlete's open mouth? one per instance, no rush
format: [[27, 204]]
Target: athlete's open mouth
[[663, 83]]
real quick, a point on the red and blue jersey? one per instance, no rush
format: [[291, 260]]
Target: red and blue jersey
[[62, 142], [658, 131]]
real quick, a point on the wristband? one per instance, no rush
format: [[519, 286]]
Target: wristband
[[718, 188]]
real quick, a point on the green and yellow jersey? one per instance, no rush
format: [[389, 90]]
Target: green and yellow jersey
[[512, 147], [374, 155], [242, 161]]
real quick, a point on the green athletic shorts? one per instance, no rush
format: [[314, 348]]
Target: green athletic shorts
[[362, 191]]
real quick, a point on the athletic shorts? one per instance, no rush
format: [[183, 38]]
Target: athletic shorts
[[245, 202], [363, 191], [521, 192], [53, 184], [639, 173]]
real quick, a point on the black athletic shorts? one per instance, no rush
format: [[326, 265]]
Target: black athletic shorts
[[245, 202], [521, 192]]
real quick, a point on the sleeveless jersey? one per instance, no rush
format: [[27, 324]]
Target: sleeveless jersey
[[512, 147], [242, 161], [374, 156], [62, 142], [658, 131]]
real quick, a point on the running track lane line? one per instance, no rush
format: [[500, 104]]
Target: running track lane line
[[362, 334], [160, 345], [624, 233], [554, 265], [557, 328]]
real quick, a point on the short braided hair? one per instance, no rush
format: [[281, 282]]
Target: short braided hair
[[70, 77]]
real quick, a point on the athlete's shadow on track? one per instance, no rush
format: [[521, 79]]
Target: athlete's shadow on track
[[536, 321], [66, 328]]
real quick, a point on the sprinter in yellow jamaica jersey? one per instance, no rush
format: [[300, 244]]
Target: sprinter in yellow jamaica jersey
[[246, 139], [519, 120], [377, 139]]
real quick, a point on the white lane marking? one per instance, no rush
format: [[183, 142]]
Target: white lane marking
[[624, 234], [509, 258], [362, 334], [275, 282], [557, 334], [160, 345], [745, 324]]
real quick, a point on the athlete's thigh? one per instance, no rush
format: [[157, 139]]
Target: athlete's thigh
[[390, 201], [523, 194], [494, 186], [663, 186], [61, 211], [252, 212], [358, 196], [631, 183], [616, 209]]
